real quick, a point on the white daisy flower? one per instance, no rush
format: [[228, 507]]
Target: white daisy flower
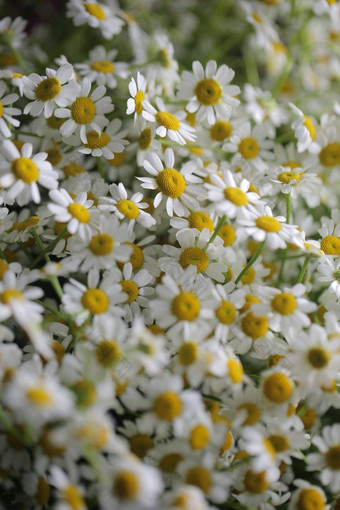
[[329, 272], [169, 124], [262, 107], [330, 233], [49, 92], [131, 209], [15, 28], [7, 111], [229, 198], [101, 67], [21, 173], [304, 129], [328, 459], [70, 495], [171, 183], [74, 212], [86, 112], [96, 15], [230, 301], [260, 224], [138, 95], [307, 494], [208, 91], [109, 142]]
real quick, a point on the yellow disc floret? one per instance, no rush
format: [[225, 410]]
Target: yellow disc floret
[[107, 352], [200, 220], [287, 177], [1, 109], [101, 245], [128, 208], [136, 257], [171, 182], [235, 370], [208, 92], [95, 141], [188, 353], [227, 233], [196, 257], [280, 443], [103, 66], [25, 169], [95, 10], [226, 312], [95, 300], [140, 444], [144, 139], [284, 303], [332, 457], [73, 498], [236, 196], [131, 289], [168, 406], [168, 120], [200, 477], [318, 357], [255, 482], [221, 130], [309, 125], [186, 306], [253, 413], [10, 294], [79, 212], [253, 326], [310, 499], [268, 224], [277, 387], [47, 89], [38, 396], [126, 485], [248, 148], [168, 463], [330, 245], [330, 155], [199, 437], [139, 98], [83, 110]]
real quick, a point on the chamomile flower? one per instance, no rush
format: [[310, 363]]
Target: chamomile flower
[[304, 129], [96, 15], [277, 386], [22, 172], [260, 224], [101, 67], [49, 92], [87, 111], [70, 495], [7, 111], [208, 91], [75, 213], [327, 460], [307, 494], [138, 94], [329, 272], [109, 142], [169, 124], [230, 301], [171, 183]]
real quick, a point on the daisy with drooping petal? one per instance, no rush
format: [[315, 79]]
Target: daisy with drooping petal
[[96, 15], [49, 92], [86, 112], [171, 183], [109, 142], [21, 173], [101, 68], [208, 91], [169, 124], [7, 111], [328, 459], [304, 129]]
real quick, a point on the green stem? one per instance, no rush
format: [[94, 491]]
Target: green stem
[[217, 229], [304, 268], [287, 207], [2, 255], [58, 314], [101, 170], [283, 77], [283, 261], [49, 247], [53, 279], [251, 261], [26, 133], [19, 59]]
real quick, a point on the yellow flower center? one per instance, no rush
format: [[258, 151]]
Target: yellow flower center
[[309, 125], [199, 437], [255, 327], [144, 139], [208, 92], [47, 89], [330, 155], [310, 499], [249, 276], [284, 303], [1, 109], [85, 392], [140, 444], [43, 491], [95, 435], [235, 370], [95, 141], [318, 357], [39, 396], [195, 257], [167, 406], [279, 443], [169, 463], [54, 122], [83, 110], [256, 483], [292, 164], [8, 295], [72, 496], [228, 443], [50, 448], [72, 169], [103, 66], [95, 300], [249, 148], [227, 233], [95, 10], [226, 312], [287, 177], [25, 169], [3, 268], [131, 290], [330, 245], [332, 457], [268, 224], [101, 245], [188, 353], [30, 222], [236, 196], [254, 413], [221, 130], [139, 98], [54, 156], [7, 59], [277, 388], [168, 120], [200, 220], [171, 182], [79, 212], [200, 477], [136, 257], [128, 208], [107, 352], [185, 306]]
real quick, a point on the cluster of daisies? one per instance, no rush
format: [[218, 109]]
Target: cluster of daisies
[[169, 273]]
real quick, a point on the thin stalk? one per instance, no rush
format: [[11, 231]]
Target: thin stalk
[[304, 268], [288, 207], [49, 247], [251, 261], [217, 229]]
